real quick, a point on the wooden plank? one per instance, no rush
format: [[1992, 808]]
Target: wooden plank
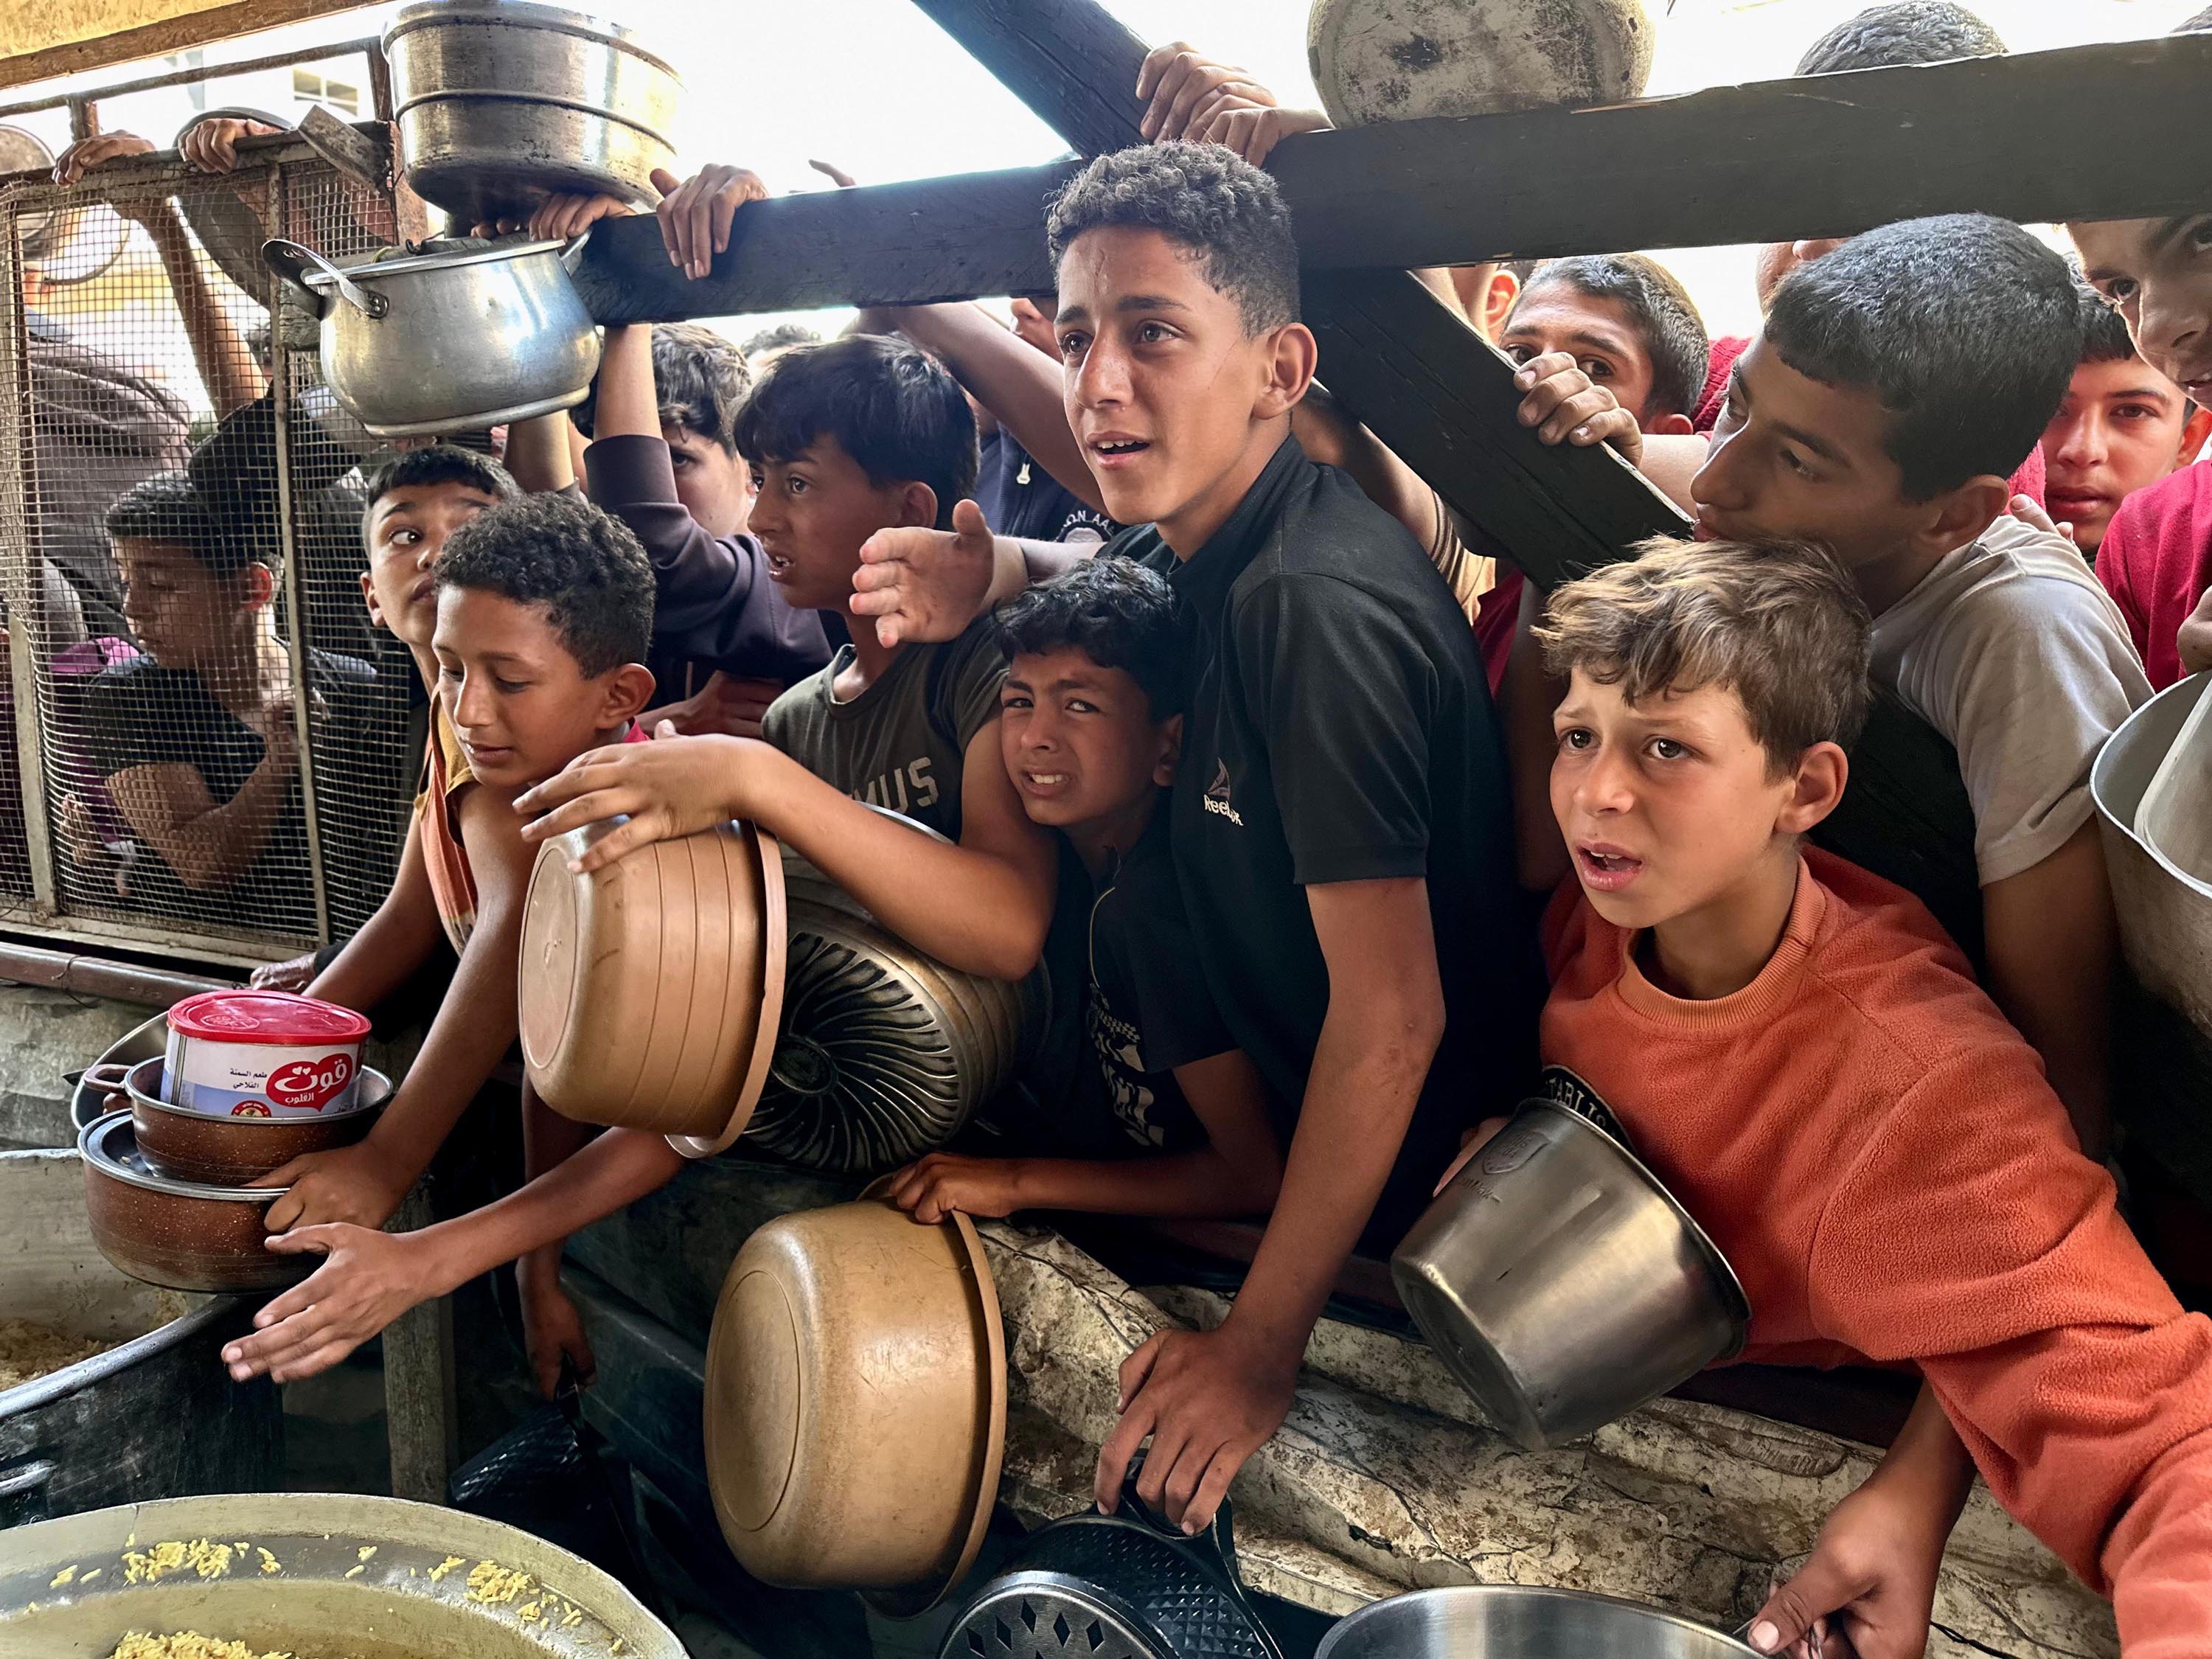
[[1072, 62], [421, 1417], [1824, 155], [958, 238], [196, 27]]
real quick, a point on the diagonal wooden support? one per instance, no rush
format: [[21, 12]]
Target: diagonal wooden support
[[1426, 385]]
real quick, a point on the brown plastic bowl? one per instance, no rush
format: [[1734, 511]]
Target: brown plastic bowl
[[856, 1401], [229, 1151], [174, 1233]]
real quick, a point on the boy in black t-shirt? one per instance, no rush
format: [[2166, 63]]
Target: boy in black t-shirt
[[1090, 725]]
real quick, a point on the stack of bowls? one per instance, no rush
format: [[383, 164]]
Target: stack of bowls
[[249, 1081]]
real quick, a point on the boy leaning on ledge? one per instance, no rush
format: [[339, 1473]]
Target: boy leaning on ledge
[[1804, 1060]]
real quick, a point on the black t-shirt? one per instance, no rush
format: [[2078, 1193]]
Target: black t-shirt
[[140, 713], [1020, 498], [1341, 730]]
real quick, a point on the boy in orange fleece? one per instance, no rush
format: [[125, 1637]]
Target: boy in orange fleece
[[1802, 1057]]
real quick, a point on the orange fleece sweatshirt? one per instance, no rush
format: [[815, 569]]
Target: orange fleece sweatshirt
[[1876, 1152]]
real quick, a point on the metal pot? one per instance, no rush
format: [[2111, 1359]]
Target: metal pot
[[229, 1151], [500, 104], [458, 340], [2165, 916], [103, 1430], [89, 1089], [1123, 1586], [1517, 1621], [1562, 1283], [375, 1577], [178, 1233]]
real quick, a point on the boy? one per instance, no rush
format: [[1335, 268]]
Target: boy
[[197, 739], [2122, 426], [1629, 326], [1340, 820], [1803, 1059], [1896, 381], [1090, 725], [844, 437]]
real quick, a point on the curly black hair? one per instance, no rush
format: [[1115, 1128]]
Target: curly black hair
[[170, 508], [1904, 32], [1115, 611], [1966, 327], [700, 381], [1666, 316], [582, 564], [1202, 197]]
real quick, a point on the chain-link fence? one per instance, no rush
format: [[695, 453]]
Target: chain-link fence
[[213, 748]]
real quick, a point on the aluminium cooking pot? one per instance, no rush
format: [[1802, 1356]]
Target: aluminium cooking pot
[[460, 339], [500, 103], [1519, 1621], [1127, 1585]]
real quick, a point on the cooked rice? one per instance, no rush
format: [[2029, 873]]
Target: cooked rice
[[29, 1350], [185, 1644]]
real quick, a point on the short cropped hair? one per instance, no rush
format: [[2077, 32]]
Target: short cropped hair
[[439, 464], [584, 565], [1207, 200], [1116, 612], [782, 337], [2199, 22], [2105, 337], [1664, 315], [1904, 33], [699, 382], [1777, 622], [169, 508], [1965, 326], [892, 408]]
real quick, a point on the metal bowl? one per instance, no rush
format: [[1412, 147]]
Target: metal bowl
[[177, 1233], [371, 1578], [501, 103], [2165, 916], [1562, 1283], [89, 1089], [229, 1151], [1518, 1621]]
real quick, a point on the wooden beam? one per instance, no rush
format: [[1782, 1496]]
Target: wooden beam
[[1824, 155], [196, 27], [958, 238]]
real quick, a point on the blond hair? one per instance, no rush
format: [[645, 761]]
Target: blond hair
[[1777, 623]]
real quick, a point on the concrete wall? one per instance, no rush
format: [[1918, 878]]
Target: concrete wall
[[43, 1034]]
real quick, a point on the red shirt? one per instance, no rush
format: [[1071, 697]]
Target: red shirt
[[1720, 362], [2156, 561]]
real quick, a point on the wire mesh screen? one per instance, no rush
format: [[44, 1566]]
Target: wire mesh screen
[[211, 741]]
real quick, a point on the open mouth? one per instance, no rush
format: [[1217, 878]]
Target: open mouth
[[1113, 450], [778, 568], [1045, 783], [1607, 869]]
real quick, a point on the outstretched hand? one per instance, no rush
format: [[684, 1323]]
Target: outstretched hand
[[669, 788], [1566, 406], [1207, 1400], [1868, 1587], [368, 1279], [1189, 96], [926, 585]]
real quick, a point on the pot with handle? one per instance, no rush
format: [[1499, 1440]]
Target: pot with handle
[[458, 340], [1520, 1621]]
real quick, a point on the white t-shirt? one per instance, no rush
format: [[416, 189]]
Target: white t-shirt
[[2011, 649]]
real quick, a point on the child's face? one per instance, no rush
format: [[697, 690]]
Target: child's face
[[812, 511], [2122, 427], [714, 483], [1162, 383], [407, 530], [1598, 333], [2159, 273], [1079, 741], [181, 612], [519, 705], [1667, 806], [1798, 458]]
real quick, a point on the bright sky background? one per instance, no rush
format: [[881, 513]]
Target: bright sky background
[[876, 88]]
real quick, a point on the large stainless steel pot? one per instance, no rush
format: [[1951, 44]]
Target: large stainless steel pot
[[500, 103], [104, 1431], [454, 340], [371, 1577], [1517, 1622], [2166, 916], [1562, 1283]]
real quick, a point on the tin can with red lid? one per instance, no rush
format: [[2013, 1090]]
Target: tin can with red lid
[[262, 1054]]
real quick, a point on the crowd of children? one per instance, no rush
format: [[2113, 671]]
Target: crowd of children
[[1286, 770]]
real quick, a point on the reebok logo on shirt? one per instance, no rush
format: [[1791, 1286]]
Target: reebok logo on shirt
[[1217, 795]]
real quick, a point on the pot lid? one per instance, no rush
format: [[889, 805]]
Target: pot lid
[[271, 1017]]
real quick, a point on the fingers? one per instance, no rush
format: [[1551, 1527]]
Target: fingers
[[1156, 63], [967, 519], [742, 187], [1817, 1589], [1114, 1458], [1198, 1513], [322, 1239], [1477, 1138], [285, 1174], [1137, 1367], [843, 179], [80, 158], [285, 1211], [666, 183], [1179, 1492]]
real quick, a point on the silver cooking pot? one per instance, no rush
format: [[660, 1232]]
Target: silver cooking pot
[[454, 341], [500, 103], [1562, 1283], [1517, 1622], [2165, 914]]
